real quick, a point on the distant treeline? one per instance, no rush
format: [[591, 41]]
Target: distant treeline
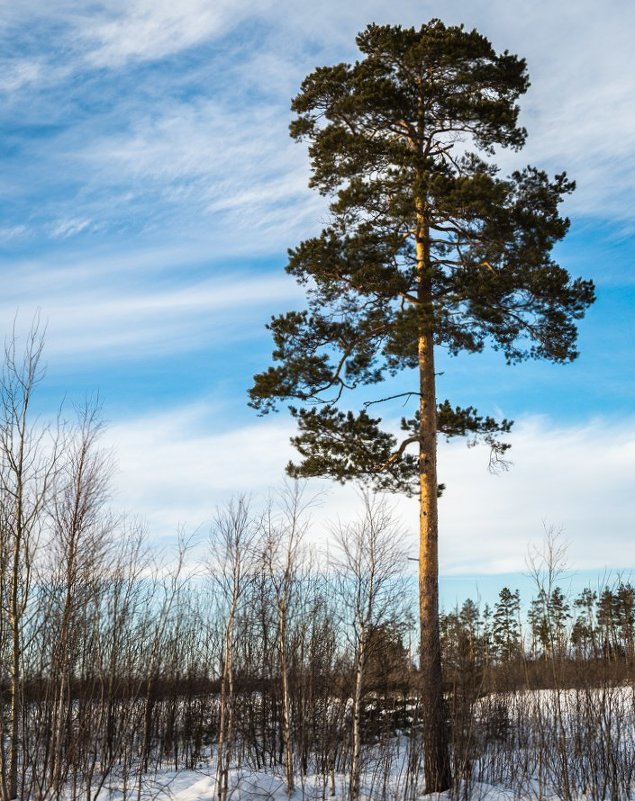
[[590, 627]]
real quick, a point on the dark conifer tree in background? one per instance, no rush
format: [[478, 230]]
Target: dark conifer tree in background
[[584, 635], [559, 614], [538, 618], [506, 630], [428, 247], [625, 609]]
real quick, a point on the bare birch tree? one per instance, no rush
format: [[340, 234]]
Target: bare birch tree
[[232, 542], [28, 455], [282, 556], [77, 550], [370, 570]]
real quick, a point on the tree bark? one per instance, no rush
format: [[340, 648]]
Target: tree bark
[[436, 751]]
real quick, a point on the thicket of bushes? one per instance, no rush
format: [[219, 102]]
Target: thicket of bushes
[[254, 654]]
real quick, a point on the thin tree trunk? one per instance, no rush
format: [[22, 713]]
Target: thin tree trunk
[[15, 620], [286, 702], [356, 718], [225, 725], [4, 757], [61, 708]]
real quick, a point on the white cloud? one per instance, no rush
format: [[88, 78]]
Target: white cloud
[[62, 229], [227, 170], [174, 468], [577, 479], [12, 232], [91, 316], [222, 149], [228, 146], [151, 29], [19, 73]]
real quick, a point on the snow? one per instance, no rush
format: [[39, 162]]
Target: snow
[[529, 770]]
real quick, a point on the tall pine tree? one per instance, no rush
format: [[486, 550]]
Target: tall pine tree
[[427, 247]]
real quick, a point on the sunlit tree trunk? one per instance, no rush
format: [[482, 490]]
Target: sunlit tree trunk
[[436, 762]]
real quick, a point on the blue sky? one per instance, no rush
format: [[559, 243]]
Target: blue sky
[[149, 191]]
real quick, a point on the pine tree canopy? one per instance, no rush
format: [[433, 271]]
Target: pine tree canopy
[[426, 239]]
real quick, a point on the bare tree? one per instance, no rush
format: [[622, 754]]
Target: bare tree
[[28, 456], [77, 550], [232, 540], [546, 567], [370, 568], [282, 556]]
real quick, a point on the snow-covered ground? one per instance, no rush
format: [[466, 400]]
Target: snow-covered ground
[[250, 785], [246, 785], [574, 745]]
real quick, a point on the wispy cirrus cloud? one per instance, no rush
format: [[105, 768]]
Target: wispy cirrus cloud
[[143, 30], [205, 165], [7, 234], [62, 229], [212, 132], [115, 33], [105, 320], [200, 139], [20, 73]]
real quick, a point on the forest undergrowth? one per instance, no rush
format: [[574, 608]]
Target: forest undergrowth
[[252, 659]]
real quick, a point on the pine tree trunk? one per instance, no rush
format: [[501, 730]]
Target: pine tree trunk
[[436, 751]]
